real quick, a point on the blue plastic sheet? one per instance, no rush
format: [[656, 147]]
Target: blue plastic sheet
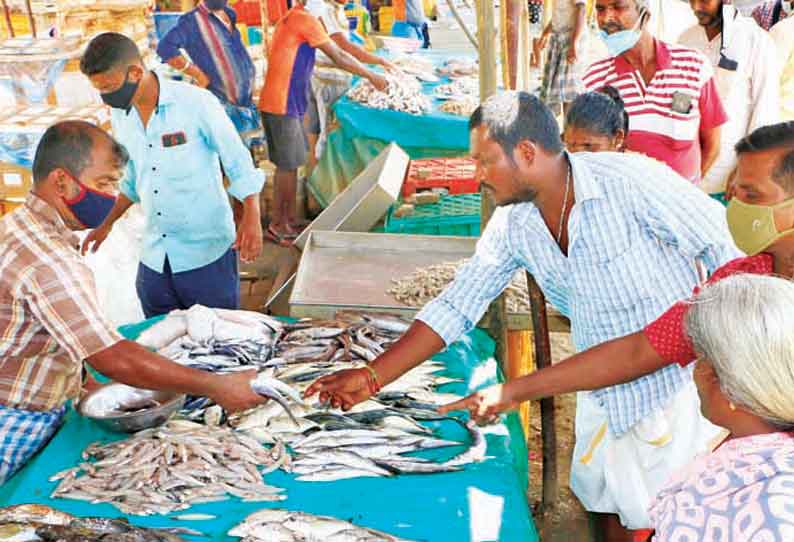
[[363, 132], [486, 501]]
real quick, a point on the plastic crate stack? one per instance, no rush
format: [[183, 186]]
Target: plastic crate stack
[[456, 175]]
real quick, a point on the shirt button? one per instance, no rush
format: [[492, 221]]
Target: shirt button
[[159, 214], [150, 145], [154, 169], [156, 191], [163, 235]]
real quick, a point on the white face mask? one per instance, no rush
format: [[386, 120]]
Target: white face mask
[[786, 7]]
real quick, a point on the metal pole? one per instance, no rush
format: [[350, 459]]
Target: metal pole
[[548, 430], [7, 14]]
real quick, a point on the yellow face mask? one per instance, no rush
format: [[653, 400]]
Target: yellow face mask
[[753, 226]]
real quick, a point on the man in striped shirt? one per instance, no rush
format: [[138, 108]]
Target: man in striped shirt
[[612, 239], [675, 112], [50, 320]]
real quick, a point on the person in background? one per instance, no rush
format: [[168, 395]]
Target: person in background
[[284, 102], [783, 36], [413, 13], [675, 111], [177, 136], [565, 59], [747, 72], [321, 93], [612, 240], [768, 14], [742, 329], [50, 319], [761, 220], [596, 122], [217, 59]]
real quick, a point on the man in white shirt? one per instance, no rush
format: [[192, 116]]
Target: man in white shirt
[[747, 72], [783, 36], [328, 83]]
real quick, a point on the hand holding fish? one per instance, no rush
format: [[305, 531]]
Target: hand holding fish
[[342, 389], [485, 404], [233, 391]]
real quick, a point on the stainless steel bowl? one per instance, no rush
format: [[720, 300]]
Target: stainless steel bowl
[[125, 409]]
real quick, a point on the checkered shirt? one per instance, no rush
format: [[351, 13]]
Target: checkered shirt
[[22, 434], [49, 316]]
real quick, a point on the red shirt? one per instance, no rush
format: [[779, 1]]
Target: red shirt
[[667, 335], [668, 115]]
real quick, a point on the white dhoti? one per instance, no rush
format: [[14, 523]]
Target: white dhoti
[[623, 475]]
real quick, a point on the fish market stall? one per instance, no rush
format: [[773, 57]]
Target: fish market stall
[[339, 465], [430, 122]]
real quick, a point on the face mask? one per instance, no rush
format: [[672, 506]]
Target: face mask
[[122, 98], [786, 7], [90, 207], [620, 42], [753, 226], [214, 5]]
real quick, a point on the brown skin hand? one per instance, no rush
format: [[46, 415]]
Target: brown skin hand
[[348, 63], [134, 365]]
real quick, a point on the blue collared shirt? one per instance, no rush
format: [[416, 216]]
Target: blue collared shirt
[[635, 231], [179, 184]]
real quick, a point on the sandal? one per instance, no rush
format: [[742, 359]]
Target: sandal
[[282, 240]]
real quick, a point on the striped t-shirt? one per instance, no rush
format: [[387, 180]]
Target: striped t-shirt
[[666, 116]]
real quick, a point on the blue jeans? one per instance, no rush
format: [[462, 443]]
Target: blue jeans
[[215, 285]]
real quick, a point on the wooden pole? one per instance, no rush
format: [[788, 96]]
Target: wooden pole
[[511, 9], [486, 34], [265, 24], [548, 431], [31, 20], [7, 14], [456, 14]]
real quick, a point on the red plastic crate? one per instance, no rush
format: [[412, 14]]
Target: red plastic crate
[[457, 175]]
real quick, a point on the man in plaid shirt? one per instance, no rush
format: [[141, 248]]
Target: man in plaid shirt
[[50, 320]]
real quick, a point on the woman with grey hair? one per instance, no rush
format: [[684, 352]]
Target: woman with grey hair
[[743, 331]]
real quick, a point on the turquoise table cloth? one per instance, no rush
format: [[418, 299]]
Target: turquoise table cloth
[[485, 501], [363, 132]]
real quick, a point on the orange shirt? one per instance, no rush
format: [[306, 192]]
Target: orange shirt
[[291, 63]]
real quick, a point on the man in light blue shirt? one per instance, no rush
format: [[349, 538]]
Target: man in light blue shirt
[[612, 239], [177, 135], [415, 16]]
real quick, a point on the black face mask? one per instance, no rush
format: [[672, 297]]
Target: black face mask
[[215, 5], [122, 98]]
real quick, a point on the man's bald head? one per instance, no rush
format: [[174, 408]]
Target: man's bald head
[[70, 145]]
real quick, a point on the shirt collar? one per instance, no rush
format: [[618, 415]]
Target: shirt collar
[[585, 185], [49, 216], [166, 93], [664, 59]]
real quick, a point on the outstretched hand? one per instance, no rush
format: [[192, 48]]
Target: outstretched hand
[[484, 405], [343, 389]]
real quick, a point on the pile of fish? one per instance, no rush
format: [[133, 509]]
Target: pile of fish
[[216, 340], [465, 86], [274, 525], [403, 94], [29, 522], [426, 283], [460, 106], [170, 468], [459, 67]]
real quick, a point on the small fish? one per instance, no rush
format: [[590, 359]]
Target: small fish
[[273, 389], [193, 517]]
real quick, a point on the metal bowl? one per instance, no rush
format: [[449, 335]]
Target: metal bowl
[[125, 409]]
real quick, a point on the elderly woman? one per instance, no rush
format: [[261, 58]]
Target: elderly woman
[[743, 331], [596, 122]]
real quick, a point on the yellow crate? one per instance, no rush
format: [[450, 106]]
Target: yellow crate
[[385, 19]]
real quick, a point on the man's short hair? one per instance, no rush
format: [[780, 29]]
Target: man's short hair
[[512, 117], [774, 136], [69, 145], [108, 51]]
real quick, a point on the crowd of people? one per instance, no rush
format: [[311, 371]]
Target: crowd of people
[[660, 221]]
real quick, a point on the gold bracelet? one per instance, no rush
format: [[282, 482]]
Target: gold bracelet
[[374, 375]]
